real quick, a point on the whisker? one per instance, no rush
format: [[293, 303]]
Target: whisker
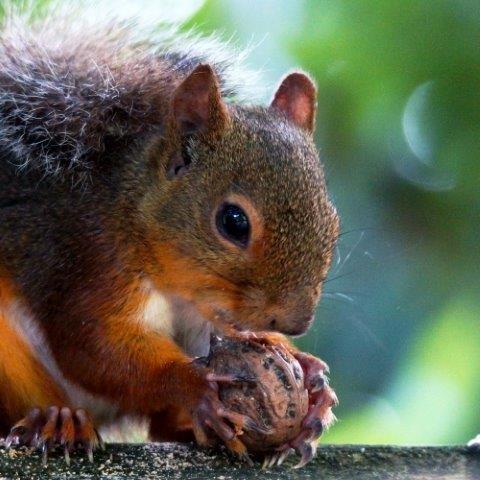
[[338, 254], [366, 229], [340, 296], [363, 326], [338, 277], [369, 255], [353, 293], [347, 257]]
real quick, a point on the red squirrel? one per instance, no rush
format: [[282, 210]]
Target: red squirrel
[[142, 207]]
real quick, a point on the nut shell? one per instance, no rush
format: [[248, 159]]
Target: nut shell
[[272, 392]]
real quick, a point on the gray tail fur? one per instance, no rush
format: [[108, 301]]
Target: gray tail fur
[[69, 81]]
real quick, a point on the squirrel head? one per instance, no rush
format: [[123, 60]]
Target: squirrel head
[[239, 218]]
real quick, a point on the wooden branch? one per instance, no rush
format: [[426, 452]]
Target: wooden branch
[[173, 461]]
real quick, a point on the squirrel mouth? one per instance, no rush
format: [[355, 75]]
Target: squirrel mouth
[[224, 321]]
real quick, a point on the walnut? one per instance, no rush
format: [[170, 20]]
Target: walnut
[[270, 391]]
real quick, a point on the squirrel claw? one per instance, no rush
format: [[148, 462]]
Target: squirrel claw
[[243, 422], [282, 456], [266, 462], [210, 414], [45, 447], [276, 459], [314, 369], [307, 451], [64, 427], [14, 437], [321, 396], [66, 455], [101, 443], [319, 417], [270, 461]]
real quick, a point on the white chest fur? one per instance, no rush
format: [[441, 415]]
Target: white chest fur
[[156, 314], [176, 319]]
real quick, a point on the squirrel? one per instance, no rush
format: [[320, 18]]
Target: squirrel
[[144, 205]]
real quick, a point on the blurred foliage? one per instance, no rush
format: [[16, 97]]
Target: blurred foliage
[[399, 134]]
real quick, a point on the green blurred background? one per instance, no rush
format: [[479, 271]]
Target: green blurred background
[[399, 134]]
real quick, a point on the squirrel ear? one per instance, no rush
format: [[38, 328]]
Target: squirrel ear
[[197, 103], [296, 98]]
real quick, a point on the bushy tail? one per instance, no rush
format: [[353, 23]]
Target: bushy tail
[[73, 75]]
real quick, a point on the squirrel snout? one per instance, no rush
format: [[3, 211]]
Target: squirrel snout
[[290, 323], [292, 314], [296, 326]]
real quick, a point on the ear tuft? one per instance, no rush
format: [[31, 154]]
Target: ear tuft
[[197, 104], [296, 98]]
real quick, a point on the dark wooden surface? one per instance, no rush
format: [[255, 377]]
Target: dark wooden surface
[[169, 461]]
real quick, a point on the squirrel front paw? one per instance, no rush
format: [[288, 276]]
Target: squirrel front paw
[[45, 429], [210, 416], [319, 417]]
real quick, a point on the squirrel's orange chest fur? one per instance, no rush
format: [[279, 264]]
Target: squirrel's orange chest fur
[[31, 375], [24, 379]]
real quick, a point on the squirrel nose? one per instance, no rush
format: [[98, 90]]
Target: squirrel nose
[[291, 324], [300, 326], [293, 314]]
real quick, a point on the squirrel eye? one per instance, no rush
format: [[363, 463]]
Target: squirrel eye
[[232, 223]]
